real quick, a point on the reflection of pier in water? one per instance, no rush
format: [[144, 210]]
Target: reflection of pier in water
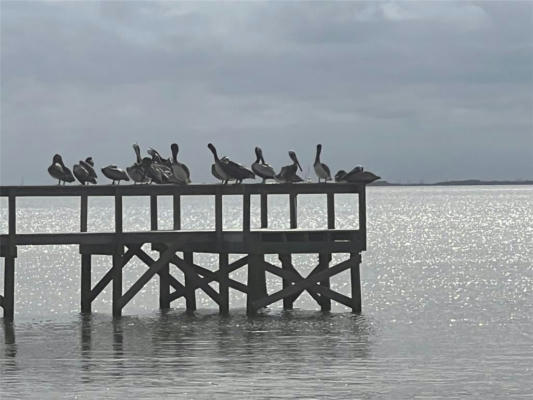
[[177, 247]]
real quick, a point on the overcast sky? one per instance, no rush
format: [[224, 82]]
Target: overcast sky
[[414, 91]]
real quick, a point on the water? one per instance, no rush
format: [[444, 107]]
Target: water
[[447, 309]]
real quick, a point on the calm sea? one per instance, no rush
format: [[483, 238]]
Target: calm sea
[[447, 309]]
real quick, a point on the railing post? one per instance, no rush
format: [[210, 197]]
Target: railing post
[[218, 215], [83, 212], [293, 210], [331, 210], [246, 212], [153, 212], [264, 210], [176, 206], [118, 213]]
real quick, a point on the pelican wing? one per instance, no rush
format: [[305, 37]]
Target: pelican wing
[[264, 171]]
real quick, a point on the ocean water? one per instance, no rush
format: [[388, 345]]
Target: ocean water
[[447, 287]]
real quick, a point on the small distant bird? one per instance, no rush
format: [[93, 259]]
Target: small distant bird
[[59, 170], [179, 170], [261, 168], [136, 171], [321, 169], [230, 169], [287, 174], [82, 174], [115, 174], [356, 175]]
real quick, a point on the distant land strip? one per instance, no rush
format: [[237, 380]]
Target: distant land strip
[[466, 182]]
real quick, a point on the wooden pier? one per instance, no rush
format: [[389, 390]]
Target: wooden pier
[[252, 244]]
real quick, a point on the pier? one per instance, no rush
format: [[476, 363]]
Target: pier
[[251, 244]]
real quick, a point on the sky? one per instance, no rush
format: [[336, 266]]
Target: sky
[[413, 91]]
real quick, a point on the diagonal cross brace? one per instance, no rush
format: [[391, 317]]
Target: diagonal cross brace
[[197, 282], [304, 284]]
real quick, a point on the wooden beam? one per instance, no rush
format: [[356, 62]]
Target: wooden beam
[[83, 212], [1, 301], [176, 206], [164, 287], [303, 284], [85, 283], [146, 259], [286, 264], [195, 282], [356, 283], [223, 283], [118, 213], [256, 282], [153, 212], [293, 210], [9, 289], [264, 211], [190, 298]]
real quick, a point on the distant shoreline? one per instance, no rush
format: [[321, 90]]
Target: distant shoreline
[[466, 182]]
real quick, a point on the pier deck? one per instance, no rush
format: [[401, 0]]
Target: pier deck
[[252, 243]]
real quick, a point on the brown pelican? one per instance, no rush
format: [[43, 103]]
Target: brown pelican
[[115, 174], [179, 170], [288, 174], [261, 168], [59, 170], [82, 174], [153, 173], [88, 164], [230, 169], [136, 171], [219, 174], [162, 165], [321, 169], [356, 175]]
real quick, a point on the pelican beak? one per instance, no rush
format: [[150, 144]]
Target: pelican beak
[[299, 166]]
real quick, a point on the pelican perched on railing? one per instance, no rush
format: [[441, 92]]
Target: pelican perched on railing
[[287, 174], [136, 171], [321, 169], [179, 170], [356, 175], [59, 170], [229, 169], [115, 174], [162, 165], [261, 168], [82, 173], [88, 164]]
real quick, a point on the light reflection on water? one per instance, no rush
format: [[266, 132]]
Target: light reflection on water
[[447, 282]]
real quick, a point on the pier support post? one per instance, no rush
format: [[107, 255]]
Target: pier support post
[[286, 263], [323, 262], [117, 280], [85, 283], [164, 287], [256, 281], [356, 282], [9, 288], [190, 297], [223, 285]]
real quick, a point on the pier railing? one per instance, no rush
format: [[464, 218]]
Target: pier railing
[[254, 243]]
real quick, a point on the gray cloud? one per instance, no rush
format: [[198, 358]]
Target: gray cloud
[[415, 91]]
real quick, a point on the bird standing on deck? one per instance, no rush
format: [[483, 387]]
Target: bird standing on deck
[[59, 170], [179, 170], [261, 168], [228, 169], [287, 174], [321, 169], [115, 174]]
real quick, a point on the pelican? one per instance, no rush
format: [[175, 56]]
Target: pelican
[[288, 174], [115, 174], [261, 168], [88, 164], [230, 169], [82, 174], [179, 170], [220, 175], [356, 175], [321, 169], [59, 171], [136, 171], [162, 165], [153, 173]]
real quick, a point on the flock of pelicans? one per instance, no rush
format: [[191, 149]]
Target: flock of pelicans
[[156, 169]]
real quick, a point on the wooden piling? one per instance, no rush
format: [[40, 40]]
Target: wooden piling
[[117, 280], [9, 289], [356, 283], [164, 286], [223, 285], [86, 284], [190, 297], [323, 262], [286, 264], [256, 281]]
